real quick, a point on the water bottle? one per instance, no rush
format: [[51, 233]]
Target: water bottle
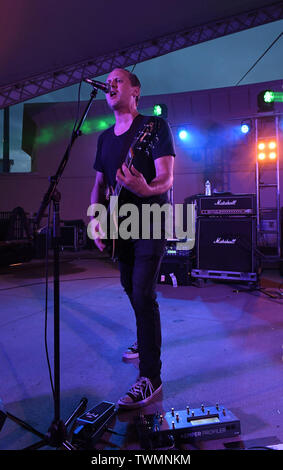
[[207, 188]]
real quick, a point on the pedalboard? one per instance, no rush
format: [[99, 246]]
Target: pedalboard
[[186, 426]]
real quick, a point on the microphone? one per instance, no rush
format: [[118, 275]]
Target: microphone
[[99, 85]]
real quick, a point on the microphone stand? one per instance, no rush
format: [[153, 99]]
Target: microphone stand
[[57, 432]]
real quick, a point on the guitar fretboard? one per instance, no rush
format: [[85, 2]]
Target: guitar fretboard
[[147, 132]]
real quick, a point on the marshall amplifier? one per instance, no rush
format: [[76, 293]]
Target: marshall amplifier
[[227, 204], [225, 248]]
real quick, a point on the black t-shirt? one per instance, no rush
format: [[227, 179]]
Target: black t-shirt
[[112, 151]]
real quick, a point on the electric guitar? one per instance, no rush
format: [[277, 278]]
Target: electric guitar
[[145, 140]]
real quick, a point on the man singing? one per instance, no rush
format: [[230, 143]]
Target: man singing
[[147, 181]]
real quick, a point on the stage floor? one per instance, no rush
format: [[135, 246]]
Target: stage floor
[[222, 343]]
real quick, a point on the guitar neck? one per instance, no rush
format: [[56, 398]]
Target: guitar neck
[[141, 140]]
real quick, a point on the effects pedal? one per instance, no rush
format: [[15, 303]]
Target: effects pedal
[[92, 424], [186, 426]]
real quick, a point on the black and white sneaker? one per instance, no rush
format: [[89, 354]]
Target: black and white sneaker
[[140, 394], [132, 352]]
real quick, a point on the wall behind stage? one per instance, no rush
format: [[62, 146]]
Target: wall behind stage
[[214, 150]]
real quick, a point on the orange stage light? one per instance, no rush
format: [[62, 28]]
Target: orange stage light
[[272, 145]]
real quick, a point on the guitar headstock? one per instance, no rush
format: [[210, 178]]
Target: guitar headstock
[[147, 137]]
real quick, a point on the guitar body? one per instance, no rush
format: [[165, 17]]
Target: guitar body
[[145, 140]]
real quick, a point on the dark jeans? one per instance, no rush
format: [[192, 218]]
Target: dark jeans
[[139, 262]]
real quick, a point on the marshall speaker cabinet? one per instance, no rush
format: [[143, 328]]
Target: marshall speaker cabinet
[[226, 238]]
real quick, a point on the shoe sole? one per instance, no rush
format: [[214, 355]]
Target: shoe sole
[[139, 404], [130, 355]]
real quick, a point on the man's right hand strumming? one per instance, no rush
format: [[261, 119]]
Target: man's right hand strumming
[[99, 243], [97, 234]]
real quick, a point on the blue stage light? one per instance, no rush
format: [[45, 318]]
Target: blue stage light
[[183, 134], [245, 128]]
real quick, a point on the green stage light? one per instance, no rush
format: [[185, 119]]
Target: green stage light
[[273, 96], [160, 110], [276, 96], [157, 110], [55, 133], [268, 96], [265, 101]]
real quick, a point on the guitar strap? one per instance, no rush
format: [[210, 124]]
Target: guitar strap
[[136, 127]]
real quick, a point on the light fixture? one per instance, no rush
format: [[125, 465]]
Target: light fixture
[[268, 96], [272, 155], [183, 134], [268, 146], [160, 110], [272, 145], [265, 101], [246, 126]]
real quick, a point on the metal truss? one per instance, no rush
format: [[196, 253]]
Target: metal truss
[[48, 82]]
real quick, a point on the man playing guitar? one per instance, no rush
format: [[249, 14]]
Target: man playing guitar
[[148, 180]]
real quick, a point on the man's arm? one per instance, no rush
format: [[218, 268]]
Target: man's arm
[[98, 190], [163, 181], [135, 182]]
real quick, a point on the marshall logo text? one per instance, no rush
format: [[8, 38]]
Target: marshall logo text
[[220, 202], [225, 241]]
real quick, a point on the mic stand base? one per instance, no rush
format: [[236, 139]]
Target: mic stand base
[[57, 435]]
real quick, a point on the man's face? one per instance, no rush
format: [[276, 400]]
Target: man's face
[[122, 93]]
